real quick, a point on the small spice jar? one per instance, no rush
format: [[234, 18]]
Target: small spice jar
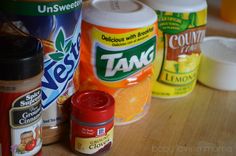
[[92, 122], [21, 68]]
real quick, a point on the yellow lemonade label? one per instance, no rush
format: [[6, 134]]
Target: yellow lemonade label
[[95, 144], [178, 79], [179, 48]]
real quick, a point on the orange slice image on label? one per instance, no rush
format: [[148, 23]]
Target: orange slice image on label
[[131, 101]]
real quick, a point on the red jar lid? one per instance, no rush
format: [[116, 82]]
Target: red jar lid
[[92, 106]]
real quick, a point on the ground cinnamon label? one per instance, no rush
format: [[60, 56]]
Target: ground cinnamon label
[[21, 66]]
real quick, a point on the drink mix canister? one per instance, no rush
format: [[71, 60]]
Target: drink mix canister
[[182, 26], [92, 122], [21, 66], [118, 47], [57, 23]]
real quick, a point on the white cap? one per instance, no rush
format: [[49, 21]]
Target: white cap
[[218, 63], [177, 5], [118, 13]]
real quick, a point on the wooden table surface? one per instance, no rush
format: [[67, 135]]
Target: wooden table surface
[[200, 124]]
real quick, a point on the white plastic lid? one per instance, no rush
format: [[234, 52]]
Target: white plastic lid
[[218, 63], [220, 49], [118, 13], [177, 5]]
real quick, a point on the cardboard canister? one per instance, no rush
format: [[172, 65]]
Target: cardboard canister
[[118, 48]]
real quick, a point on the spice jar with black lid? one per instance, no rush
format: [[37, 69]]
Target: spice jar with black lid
[[21, 68]]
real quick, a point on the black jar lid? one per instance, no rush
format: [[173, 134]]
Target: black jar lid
[[21, 57]]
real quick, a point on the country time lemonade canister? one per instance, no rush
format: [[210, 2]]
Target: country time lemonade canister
[[182, 26], [57, 23], [118, 47]]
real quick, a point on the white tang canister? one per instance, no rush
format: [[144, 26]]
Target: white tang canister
[[118, 48]]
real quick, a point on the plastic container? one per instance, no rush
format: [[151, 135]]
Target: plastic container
[[21, 66], [218, 64], [182, 26], [92, 122], [118, 48], [57, 23]]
